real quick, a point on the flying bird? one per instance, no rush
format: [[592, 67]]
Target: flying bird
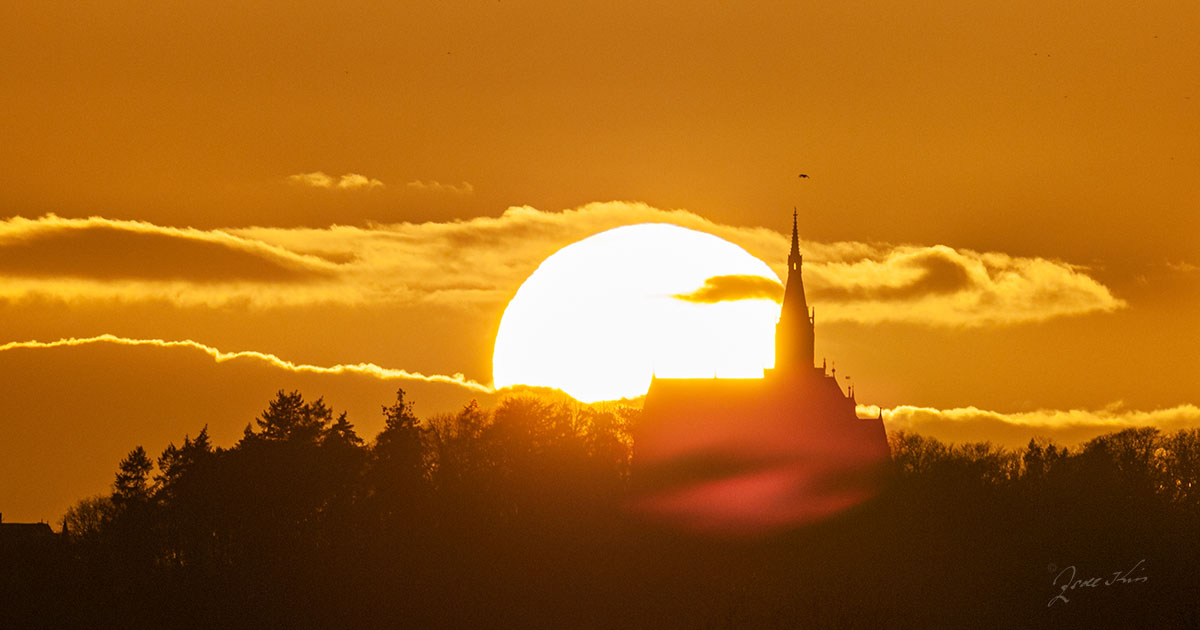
[[803, 175]]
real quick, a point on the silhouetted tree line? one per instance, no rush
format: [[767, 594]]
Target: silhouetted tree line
[[513, 517]]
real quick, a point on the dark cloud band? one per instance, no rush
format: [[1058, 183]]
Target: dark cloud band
[[730, 288], [107, 253], [938, 274]]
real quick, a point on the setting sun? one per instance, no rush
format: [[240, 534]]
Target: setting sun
[[600, 317]]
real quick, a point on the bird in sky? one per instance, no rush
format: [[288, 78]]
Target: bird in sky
[[803, 175]]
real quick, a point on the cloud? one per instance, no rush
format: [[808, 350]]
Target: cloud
[[354, 180], [465, 188], [1182, 266], [317, 179], [365, 369], [956, 287], [909, 276], [1014, 430], [108, 259], [349, 181], [482, 261], [114, 251], [730, 288]]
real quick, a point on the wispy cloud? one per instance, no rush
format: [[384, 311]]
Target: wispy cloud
[[109, 250], [364, 369], [349, 181], [108, 259], [731, 288], [464, 188], [354, 180], [948, 286], [482, 262], [1067, 426], [960, 424]]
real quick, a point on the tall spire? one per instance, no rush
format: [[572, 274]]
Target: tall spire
[[795, 259], [794, 332]]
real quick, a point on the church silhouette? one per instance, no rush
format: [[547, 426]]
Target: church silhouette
[[755, 455]]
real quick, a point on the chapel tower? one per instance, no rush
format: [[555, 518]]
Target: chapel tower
[[764, 453], [794, 332]]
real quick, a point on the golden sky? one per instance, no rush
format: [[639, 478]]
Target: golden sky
[[1001, 226]]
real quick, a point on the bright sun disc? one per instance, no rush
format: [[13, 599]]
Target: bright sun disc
[[598, 318]]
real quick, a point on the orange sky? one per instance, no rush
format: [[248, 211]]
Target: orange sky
[[1051, 144]]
